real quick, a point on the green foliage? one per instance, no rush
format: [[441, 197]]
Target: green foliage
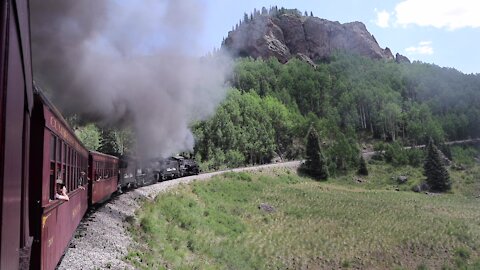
[[124, 139], [315, 162], [89, 135], [415, 157], [246, 129], [464, 155], [437, 174], [396, 154], [343, 154], [272, 106], [108, 142], [234, 159]]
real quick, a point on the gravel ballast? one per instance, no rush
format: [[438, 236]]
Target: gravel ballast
[[102, 240]]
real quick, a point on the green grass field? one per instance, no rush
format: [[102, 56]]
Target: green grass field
[[320, 225]]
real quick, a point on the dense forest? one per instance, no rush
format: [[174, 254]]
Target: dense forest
[[349, 99]]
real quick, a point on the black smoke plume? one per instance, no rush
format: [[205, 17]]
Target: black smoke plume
[[118, 63]]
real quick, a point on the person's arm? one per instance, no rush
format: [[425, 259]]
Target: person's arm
[[62, 197], [64, 193]]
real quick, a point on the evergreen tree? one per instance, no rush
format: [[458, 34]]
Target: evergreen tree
[[437, 174], [306, 14], [311, 14], [315, 163], [264, 11], [362, 170], [108, 142]]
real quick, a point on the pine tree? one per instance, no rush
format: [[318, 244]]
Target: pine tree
[[315, 163], [362, 170], [311, 14], [437, 174]]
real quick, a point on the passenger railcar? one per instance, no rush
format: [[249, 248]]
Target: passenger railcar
[[16, 101], [103, 174], [56, 154]]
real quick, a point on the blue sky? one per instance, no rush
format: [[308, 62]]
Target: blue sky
[[446, 33]]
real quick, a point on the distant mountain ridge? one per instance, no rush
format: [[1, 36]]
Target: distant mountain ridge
[[285, 34]]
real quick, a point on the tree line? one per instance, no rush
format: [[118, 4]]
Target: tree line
[[271, 106]]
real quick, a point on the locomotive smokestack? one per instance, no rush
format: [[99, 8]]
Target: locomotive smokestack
[[128, 62]]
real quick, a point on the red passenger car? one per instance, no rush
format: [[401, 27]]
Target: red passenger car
[[56, 153], [103, 174], [16, 102]]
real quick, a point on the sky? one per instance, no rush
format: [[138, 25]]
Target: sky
[[441, 32]]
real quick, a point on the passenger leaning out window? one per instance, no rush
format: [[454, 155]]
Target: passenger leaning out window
[[61, 193]]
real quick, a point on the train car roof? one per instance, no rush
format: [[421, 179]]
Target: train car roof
[[102, 154], [46, 102]]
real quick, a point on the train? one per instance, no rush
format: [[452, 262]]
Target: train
[[90, 178], [40, 153], [134, 173]]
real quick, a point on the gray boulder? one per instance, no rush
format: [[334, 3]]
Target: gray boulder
[[402, 179]]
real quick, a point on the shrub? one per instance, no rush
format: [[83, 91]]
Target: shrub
[[396, 154]]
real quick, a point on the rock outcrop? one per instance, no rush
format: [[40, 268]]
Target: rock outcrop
[[401, 59], [309, 38]]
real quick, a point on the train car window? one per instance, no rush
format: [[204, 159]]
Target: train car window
[[52, 147], [64, 166], [52, 167], [59, 151], [70, 168], [75, 168], [67, 168], [58, 155], [72, 175]]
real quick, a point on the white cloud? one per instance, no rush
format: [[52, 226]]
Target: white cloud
[[424, 47], [383, 18], [439, 13]]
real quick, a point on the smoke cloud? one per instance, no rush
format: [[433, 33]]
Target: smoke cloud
[[118, 62]]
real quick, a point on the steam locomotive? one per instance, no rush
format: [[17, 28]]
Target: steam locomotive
[[38, 148], [134, 173]]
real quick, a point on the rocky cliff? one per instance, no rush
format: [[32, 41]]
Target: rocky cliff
[[307, 37]]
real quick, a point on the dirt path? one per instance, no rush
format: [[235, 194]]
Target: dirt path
[[369, 154]]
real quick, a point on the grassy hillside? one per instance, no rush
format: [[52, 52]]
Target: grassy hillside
[[340, 223]]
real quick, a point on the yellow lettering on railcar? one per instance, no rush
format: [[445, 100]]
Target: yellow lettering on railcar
[[50, 242], [63, 132], [44, 220], [76, 210]]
